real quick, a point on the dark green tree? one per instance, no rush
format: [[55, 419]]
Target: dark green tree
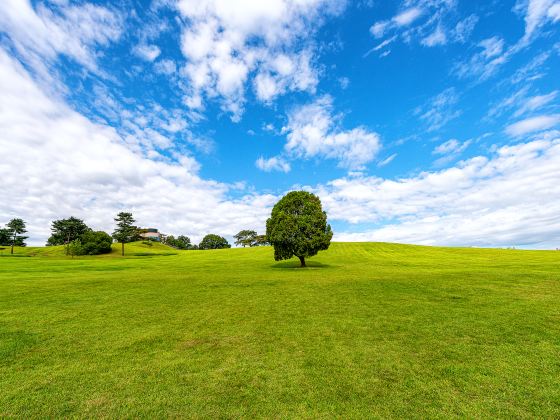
[[245, 238], [5, 239], [212, 241], [298, 227], [15, 229], [96, 243], [183, 242], [65, 231], [126, 231]]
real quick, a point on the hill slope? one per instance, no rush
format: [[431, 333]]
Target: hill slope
[[368, 330], [131, 250]]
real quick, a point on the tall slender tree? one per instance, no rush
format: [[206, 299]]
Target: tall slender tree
[[16, 227], [125, 231]]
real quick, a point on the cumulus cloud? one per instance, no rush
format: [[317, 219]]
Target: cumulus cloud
[[313, 130], [229, 45], [57, 163], [510, 198]]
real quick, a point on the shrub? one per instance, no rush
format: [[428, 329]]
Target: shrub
[[95, 243]]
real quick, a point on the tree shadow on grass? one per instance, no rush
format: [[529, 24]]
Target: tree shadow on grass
[[295, 264]]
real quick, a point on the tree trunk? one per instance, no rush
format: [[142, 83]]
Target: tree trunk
[[302, 261], [122, 248], [13, 242]]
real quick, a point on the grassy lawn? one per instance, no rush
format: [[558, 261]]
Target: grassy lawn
[[367, 330]]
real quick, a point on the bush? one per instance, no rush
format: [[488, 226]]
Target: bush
[[95, 243], [214, 242]]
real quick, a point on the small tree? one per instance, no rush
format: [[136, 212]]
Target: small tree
[[65, 231], [245, 238], [212, 241], [125, 231], [15, 228], [298, 227], [74, 248]]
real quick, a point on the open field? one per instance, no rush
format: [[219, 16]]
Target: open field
[[367, 330]]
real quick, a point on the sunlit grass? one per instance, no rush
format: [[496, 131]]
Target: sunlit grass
[[367, 330]]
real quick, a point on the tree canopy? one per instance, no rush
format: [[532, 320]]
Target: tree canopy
[[15, 228], [212, 241], [245, 238], [125, 231], [65, 231], [179, 242], [95, 243], [298, 227]]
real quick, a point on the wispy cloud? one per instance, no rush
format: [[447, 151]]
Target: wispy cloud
[[533, 124]]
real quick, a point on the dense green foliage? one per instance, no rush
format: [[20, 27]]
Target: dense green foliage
[[212, 241], [366, 331], [298, 226], [95, 243], [15, 229], [180, 242], [125, 231], [65, 231]]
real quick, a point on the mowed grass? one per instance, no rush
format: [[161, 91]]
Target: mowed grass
[[367, 330]]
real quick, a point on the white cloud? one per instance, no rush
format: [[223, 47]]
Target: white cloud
[[73, 166], [229, 45], [408, 16], [387, 160], [464, 28], [41, 34], [533, 124], [147, 52], [452, 146], [481, 201], [437, 37], [165, 66], [425, 21], [312, 131], [439, 110], [535, 102], [273, 164], [537, 14], [485, 63]]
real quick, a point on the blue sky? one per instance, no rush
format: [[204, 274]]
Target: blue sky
[[420, 121]]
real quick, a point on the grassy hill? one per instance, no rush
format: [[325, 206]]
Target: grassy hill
[[133, 249], [367, 330]]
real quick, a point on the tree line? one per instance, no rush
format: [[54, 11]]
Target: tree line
[[79, 239], [297, 227]]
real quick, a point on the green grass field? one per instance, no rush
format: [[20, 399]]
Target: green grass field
[[367, 330]]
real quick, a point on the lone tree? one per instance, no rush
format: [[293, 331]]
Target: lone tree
[[65, 231], [212, 241], [298, 226], [125, 231], [15, 228], [245, 238]]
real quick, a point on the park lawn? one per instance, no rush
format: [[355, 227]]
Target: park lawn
[[367, 330]]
